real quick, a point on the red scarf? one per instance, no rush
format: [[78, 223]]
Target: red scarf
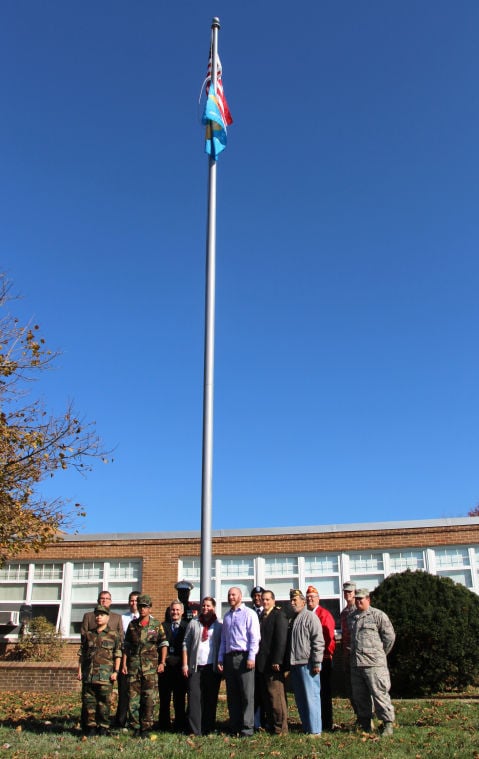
[[206, 622]]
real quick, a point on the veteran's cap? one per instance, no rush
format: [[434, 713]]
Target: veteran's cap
[[294, 593], [361, 593], [143, 600]]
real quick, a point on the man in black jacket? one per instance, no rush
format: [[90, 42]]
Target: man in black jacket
[[172, 681], [270, 661]]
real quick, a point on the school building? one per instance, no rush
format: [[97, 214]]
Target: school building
[[63, 582]]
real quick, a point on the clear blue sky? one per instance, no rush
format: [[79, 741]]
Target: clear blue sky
[[347, 320]]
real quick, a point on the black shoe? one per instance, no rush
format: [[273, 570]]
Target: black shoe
[[103, 731], [90, 732]]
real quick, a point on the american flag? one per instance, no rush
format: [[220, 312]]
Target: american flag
[[220, 95]]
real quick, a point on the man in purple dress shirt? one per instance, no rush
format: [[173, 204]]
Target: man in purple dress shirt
[[240, 638]]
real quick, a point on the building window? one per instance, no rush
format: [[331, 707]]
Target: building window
[[322, 571], [235, 571], [37, 585], [190, 569], [366, 569], [14, 572], [281, 573], [455, 564], [399, 561], [120, 577]]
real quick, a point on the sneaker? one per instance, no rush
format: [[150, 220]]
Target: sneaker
[[387, 729]]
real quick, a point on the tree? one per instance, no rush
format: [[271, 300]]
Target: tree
[[34, 444], [437, 628], [473, 512]]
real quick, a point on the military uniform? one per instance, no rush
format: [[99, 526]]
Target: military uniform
[[346, 648], [97, 655], [372, 638], [142, 649]]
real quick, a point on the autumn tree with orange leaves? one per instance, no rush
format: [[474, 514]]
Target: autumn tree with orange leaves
[[34, 444]]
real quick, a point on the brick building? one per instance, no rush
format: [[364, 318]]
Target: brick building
[[63, 581]]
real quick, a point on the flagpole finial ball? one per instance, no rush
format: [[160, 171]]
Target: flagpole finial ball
[[215, 22]]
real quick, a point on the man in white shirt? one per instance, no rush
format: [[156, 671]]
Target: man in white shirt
[[123, 697]]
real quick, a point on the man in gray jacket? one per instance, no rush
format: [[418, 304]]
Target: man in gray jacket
[[306, 655], [372, 638]]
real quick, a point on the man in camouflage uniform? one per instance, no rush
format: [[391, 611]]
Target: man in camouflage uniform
[[372, 638], [98, 666], [349, 589], [144, 655]]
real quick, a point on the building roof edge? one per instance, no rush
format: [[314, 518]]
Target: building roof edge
[[295, 530]]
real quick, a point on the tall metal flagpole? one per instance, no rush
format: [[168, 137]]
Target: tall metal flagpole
[[209, 358]]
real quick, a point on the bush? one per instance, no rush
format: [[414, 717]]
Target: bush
[[437, 633], [40, 643]]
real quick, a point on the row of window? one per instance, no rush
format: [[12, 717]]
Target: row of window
[[63, 592], [327, 572]]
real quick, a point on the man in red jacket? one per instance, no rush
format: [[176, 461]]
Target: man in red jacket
[[327, 623]]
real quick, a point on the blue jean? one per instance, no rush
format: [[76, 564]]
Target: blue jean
[[307, 694]]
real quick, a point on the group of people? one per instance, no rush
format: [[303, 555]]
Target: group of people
[[185, 657]]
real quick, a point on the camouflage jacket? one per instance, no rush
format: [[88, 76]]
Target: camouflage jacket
[[98, 651], [372, 637], [142, 646]]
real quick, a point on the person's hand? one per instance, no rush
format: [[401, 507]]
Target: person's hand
[[184, 669], [250, 664], [219, 667], [161, 668]]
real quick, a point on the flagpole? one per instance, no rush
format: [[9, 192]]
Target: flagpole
[[209, 354]]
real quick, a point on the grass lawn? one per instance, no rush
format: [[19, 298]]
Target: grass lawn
[[47, 726]]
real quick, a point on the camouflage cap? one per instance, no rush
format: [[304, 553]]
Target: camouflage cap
[[99, 609], [144, 600], [361, 593], [349, 586], [294, 592]]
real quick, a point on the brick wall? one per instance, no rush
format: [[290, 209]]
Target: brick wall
[[38, 677]]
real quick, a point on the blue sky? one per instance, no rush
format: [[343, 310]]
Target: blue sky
[[347, 309]]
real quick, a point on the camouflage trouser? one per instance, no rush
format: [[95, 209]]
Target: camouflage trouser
[[372, 683], [143, 690], [96, 700]]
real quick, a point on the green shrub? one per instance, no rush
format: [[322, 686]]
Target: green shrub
[[437, 633], [40, 643]]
